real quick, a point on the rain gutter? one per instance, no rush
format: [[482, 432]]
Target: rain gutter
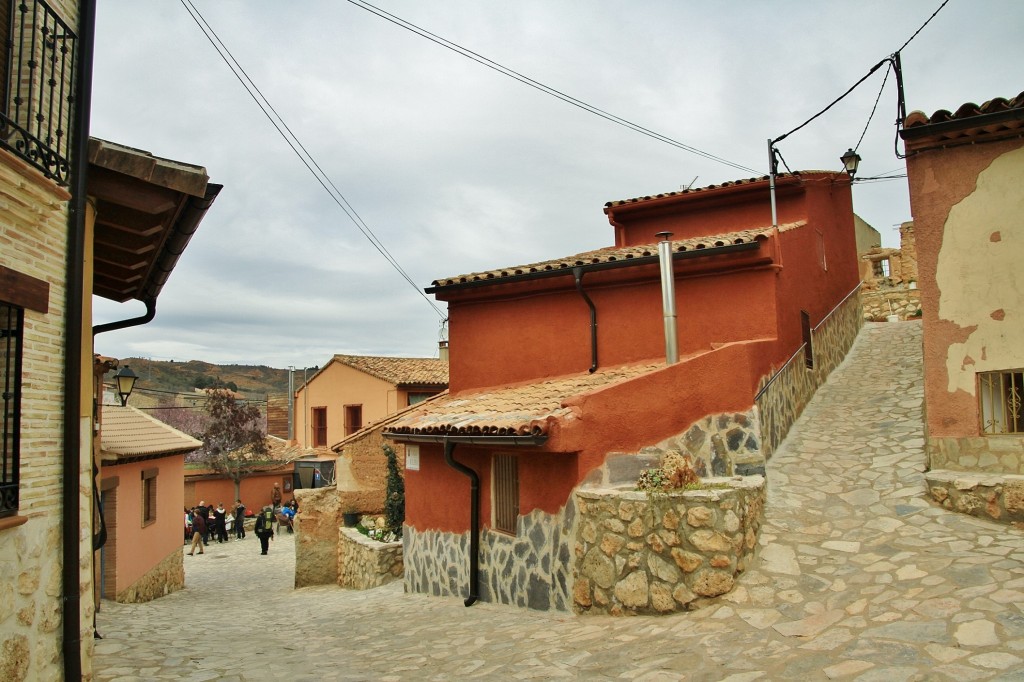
[[71, 519], [566, 271], [578, 274]]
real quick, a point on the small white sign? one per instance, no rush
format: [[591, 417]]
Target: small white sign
[[412, 457]]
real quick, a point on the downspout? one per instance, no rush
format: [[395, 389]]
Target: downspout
[[577, 272], [474, 521], [668, 297], [130, 322], [71, 621]]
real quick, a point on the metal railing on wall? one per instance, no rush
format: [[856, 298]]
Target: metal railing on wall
[[39, 78], [799, 351]]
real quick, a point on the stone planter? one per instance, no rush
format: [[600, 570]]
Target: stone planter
[[658, 555], [364, 563]]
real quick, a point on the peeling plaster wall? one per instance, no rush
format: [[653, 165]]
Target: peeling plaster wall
[[980, 274], [969, 220]]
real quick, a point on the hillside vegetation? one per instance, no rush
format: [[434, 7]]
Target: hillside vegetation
[[253, 381]]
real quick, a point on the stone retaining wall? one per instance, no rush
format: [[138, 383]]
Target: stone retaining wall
[[316, 536], [791, 388], [639, 554], [531, 569], [992, 454], [364, 563], [993, 497], [166, 577], [881, 303]]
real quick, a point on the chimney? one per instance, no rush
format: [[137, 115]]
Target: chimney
[[442, 350], [668, 297]]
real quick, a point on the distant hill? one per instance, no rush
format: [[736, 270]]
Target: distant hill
[[253, 381]]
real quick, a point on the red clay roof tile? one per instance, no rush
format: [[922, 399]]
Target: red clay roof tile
[[526, 410]]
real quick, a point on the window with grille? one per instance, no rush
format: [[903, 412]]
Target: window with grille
[[11, 321], [319, 427], [353, 419], [1000, 400], [149, 496], [505, 497]]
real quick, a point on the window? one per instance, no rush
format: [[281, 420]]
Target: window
[[149, 496], [11, 321], [418, 397], [505, 492], [1000, 398], [353, 419], [881, 268], [319, 427]]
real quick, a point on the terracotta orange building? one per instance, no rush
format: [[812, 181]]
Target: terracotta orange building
[[966, 171], [559, 375]]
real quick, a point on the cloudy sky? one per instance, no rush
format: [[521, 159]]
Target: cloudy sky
[[457, 168]]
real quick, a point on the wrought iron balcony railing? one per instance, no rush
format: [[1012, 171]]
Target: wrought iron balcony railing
[[38, 67]]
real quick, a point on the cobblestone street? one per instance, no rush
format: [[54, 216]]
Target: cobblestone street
[[858, 577]]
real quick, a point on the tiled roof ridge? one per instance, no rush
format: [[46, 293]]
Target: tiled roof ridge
[[610, 254], [964, 111], [399, 370], [720, 185]]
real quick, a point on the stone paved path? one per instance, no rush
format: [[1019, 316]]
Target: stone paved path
[[858, 578]]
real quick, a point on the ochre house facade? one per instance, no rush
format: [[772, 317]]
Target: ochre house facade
[[353, 391]]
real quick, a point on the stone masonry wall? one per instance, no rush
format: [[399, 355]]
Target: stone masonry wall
[[986, 454], [316, 536], [881, 303], [790, 389], [532, 569], [166, 577], [33, 242], [364, 563], [993, 497], [658, 554]]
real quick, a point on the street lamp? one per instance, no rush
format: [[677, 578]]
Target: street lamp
[[850, 162], [125, 380]]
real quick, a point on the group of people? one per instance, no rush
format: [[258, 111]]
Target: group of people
[[203, 522]]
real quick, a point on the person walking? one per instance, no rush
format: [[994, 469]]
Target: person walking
[[198, 531], [239, 520], [204, 511], [265, 528]]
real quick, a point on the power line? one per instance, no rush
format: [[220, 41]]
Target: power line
[[526, 80], [297, 147], [923, 25]]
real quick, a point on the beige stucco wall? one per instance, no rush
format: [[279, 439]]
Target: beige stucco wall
[[981, 277], [334, 387], [33, 241]]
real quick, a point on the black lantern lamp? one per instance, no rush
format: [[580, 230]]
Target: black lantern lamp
[[125, 380], [850, 162]]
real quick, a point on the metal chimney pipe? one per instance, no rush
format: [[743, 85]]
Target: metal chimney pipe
[[668, 297]]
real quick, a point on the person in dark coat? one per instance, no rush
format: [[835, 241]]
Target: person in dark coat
[[265, 528], [220, 522], [204, 511], [198, 530], [239, 520]]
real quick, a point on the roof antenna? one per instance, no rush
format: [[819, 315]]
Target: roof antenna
[[692, 182]]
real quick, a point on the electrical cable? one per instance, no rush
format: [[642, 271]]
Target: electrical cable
[[526, 80], [874, 108], [296, 145], [923, 25]]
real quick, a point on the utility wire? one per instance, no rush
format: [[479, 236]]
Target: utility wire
[[923, 25], [526, 80], [297, 147], [874, 108]]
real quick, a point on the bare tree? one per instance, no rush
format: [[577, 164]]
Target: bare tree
[[234, 442]]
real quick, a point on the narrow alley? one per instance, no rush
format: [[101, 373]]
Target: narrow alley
[[858, 578]]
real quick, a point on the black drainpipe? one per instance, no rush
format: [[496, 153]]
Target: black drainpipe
[[474, 521], [577, 272], [71, 641], [130, 322]]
